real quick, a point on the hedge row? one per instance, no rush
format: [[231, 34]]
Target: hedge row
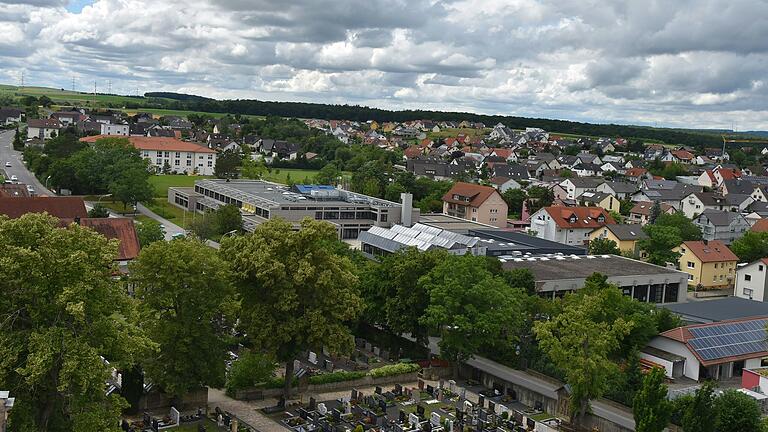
[[340, 376]]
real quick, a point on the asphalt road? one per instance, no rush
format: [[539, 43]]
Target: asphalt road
[[17, 168]]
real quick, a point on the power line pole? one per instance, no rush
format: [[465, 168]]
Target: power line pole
[[22, 79], [73, 83], [109, 87]]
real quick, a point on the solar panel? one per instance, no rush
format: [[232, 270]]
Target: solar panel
[[729, 339]]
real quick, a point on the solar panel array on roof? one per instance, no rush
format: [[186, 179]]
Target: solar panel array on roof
[[729, 339]]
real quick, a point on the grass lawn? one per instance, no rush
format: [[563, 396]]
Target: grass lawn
[[161, 183], [452, 132], [280, 175], [164, 209]]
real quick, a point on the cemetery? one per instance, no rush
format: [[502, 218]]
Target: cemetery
[[174, 421], [445, 407]]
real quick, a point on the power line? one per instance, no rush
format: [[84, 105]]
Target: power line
[[73, 83]]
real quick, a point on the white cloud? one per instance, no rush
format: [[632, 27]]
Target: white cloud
[[694, 63]]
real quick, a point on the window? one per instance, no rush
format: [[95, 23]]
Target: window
[[690, 277], [178, 154], [474, 210], [747, 277], [167, 154], [189, 163], [493, 219], [383, 217], [721, 278], [760, 267], [176, 162], [210, 156], [691, 264], [159, 162], [210, 163], [189, 155]]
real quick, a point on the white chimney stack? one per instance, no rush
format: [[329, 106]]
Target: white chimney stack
[[406, 210]]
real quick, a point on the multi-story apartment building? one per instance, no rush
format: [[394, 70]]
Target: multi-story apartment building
[[709, 264], [171, 154], [477, 203], [569, 225]]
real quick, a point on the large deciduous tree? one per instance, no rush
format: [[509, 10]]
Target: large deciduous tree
[[660, 244], [297, 292], [579, 344], [62, 316], [149, 231], [688, 230], [228, 164], [471, 308], [603, 246], [751, 246], [185, 295], [737, 412], [394, 298], [651, 408], [699, 414]]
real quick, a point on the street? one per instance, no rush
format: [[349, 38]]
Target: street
[[17, 168]]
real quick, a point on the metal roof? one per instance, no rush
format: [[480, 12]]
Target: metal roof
[[421, 236], [729, 339]]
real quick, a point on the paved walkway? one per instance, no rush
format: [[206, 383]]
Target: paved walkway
[[171, 228]]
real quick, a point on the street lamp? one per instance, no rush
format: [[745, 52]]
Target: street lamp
[[46, 181], [103, 196]]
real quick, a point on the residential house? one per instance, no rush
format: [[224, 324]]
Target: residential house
[[760, 225], [501, 132], [599, 199], [695, 203], [713, 351], [587, 170], [280, 149], [577, 186], [671, 196], [477, 203], [180, 156], [118, 129], [626, 236], [709, 264], [569, 225], [737, 186], [621, 190], [640, 212], [67, 118], [503, 184], [636, 174], [725, 226], [751, 281], [513, 171], [9, 116], [43, 128]]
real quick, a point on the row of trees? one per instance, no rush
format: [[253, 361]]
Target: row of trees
[[110, 165]]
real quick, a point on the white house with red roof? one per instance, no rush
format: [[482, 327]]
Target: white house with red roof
[[161, 152], [569, 225], [717, 351]]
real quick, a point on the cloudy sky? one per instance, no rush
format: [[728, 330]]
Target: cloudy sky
[[689, 63]]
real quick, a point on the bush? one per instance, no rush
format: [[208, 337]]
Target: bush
[[337, 376], [249, 370], [395, 369]]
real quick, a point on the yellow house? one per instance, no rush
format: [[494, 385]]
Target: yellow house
[[374, 125], [388, 127], [625, 236], [600, 199], [709, 264]]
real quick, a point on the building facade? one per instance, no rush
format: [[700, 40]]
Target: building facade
[[476, 203], [569, 225], [709, 264], [751, 281]]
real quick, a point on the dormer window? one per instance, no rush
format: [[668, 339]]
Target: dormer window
[[601, 218], [572, 219]]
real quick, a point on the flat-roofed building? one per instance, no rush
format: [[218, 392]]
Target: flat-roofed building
[[557, 275], [260, 201]]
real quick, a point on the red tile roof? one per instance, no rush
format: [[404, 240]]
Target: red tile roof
[[156, 143], [760, 226], [13, 190], [579, 217], [476, 194], [711, 251], [412, 152], [502, 152], [728, 173], [60, 207], [635, 172], [683, 154], [44, 124], [121, 229]]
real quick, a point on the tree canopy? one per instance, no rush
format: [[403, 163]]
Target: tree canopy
[[185, 297], [651, 408], [297, 293], [601, 246], [750, 247], [63, 314]]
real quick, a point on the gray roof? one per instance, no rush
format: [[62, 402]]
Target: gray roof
[[660, 184], [593, 197], [586, 182], [739, 186], [570, 267], [720, 309], [622, 187], [719, 218], [627, 231], [502, 242], [514, 376]]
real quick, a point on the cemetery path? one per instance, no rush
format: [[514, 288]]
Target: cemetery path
[[246, 411]]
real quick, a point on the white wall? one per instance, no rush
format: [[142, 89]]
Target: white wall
[[757, 284], [668, 365], [691, 362]]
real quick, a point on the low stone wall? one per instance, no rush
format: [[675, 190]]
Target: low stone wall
[[256, 393]]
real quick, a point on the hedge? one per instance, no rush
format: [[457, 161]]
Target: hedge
[[340, 376]]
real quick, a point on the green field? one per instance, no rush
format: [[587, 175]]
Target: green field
[[174, 214], [179, 113], [452, 132], [161, 183], [66, 96], [280, 175]]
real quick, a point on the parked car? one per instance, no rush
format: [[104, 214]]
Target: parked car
[[7, 163], [14, 178]]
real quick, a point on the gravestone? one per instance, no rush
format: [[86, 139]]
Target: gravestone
[[420, 410], [376, 351], [354, 395], [312, 404], [347, 407], [326, 352], [328, 365], [321, 408], [421, 384], [312, 357], [434, 418], [368, 346], [481, 401], [383, 406], [398, 391], [336, 414], [468, 406], [413, 419], [491, 406], [401, 417], [296, 365], [449, 425], [378, 390], [452, 385], [430, 390]]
